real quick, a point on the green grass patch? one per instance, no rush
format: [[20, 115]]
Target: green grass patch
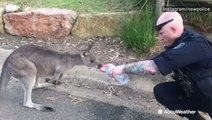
[[126, 5], [138, 34], [91, 6]]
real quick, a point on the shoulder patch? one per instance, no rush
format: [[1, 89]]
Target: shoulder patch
[[179, 45]]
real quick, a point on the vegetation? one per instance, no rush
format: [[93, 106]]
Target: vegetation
[[90, 6], [81, 5], [138, 34], [202, 20], [126, 5]]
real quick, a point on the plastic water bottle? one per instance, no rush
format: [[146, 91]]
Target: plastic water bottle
[[123, 78]]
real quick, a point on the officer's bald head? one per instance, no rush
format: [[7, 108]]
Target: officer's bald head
[[168, 16], [169, 26]]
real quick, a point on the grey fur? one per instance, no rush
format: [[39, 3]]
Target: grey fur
[[29, 62]]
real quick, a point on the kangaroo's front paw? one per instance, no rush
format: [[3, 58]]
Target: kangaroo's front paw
[[47, 109], [55, 82], [48, 80]]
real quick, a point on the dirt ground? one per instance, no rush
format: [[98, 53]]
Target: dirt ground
[[106, 50]]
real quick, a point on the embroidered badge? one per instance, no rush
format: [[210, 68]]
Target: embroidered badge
[[179, 46]]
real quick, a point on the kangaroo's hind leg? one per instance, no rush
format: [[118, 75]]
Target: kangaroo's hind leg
[[29, 83], [26, 71]]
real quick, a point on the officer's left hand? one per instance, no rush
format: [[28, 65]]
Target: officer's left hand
[[117, 70]]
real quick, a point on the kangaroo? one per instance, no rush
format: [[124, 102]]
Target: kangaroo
[[29, 62]]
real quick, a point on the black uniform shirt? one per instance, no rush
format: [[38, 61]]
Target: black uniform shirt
[[189, 50]]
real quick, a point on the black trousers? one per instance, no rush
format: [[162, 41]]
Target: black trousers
[[172, 96]]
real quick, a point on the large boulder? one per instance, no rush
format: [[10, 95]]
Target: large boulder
[[100, 24], [40, 23], [12, 8]]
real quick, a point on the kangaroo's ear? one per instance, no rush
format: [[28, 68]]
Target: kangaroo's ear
[[84, 54], [86, 51], [88, 48]]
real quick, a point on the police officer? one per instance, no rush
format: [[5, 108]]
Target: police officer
[[189, 56]]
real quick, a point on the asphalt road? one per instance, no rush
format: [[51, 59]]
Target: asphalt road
[[67, 108]]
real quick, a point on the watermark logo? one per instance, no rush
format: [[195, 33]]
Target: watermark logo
[[187, 9], [160, 111]]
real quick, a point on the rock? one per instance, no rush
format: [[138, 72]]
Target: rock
[[100, 24], [12, 8], [1, 21], [40, 23], [29, 9], [3, 56]]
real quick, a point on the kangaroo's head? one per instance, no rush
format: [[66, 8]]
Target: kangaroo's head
[[88, 59]]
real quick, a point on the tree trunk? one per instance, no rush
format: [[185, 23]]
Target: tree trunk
[[158, 7]]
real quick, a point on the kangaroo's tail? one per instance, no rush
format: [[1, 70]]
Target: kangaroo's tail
[[5, 77]]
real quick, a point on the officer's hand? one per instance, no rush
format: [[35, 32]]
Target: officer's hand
[[117, 70], [103, 68]]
